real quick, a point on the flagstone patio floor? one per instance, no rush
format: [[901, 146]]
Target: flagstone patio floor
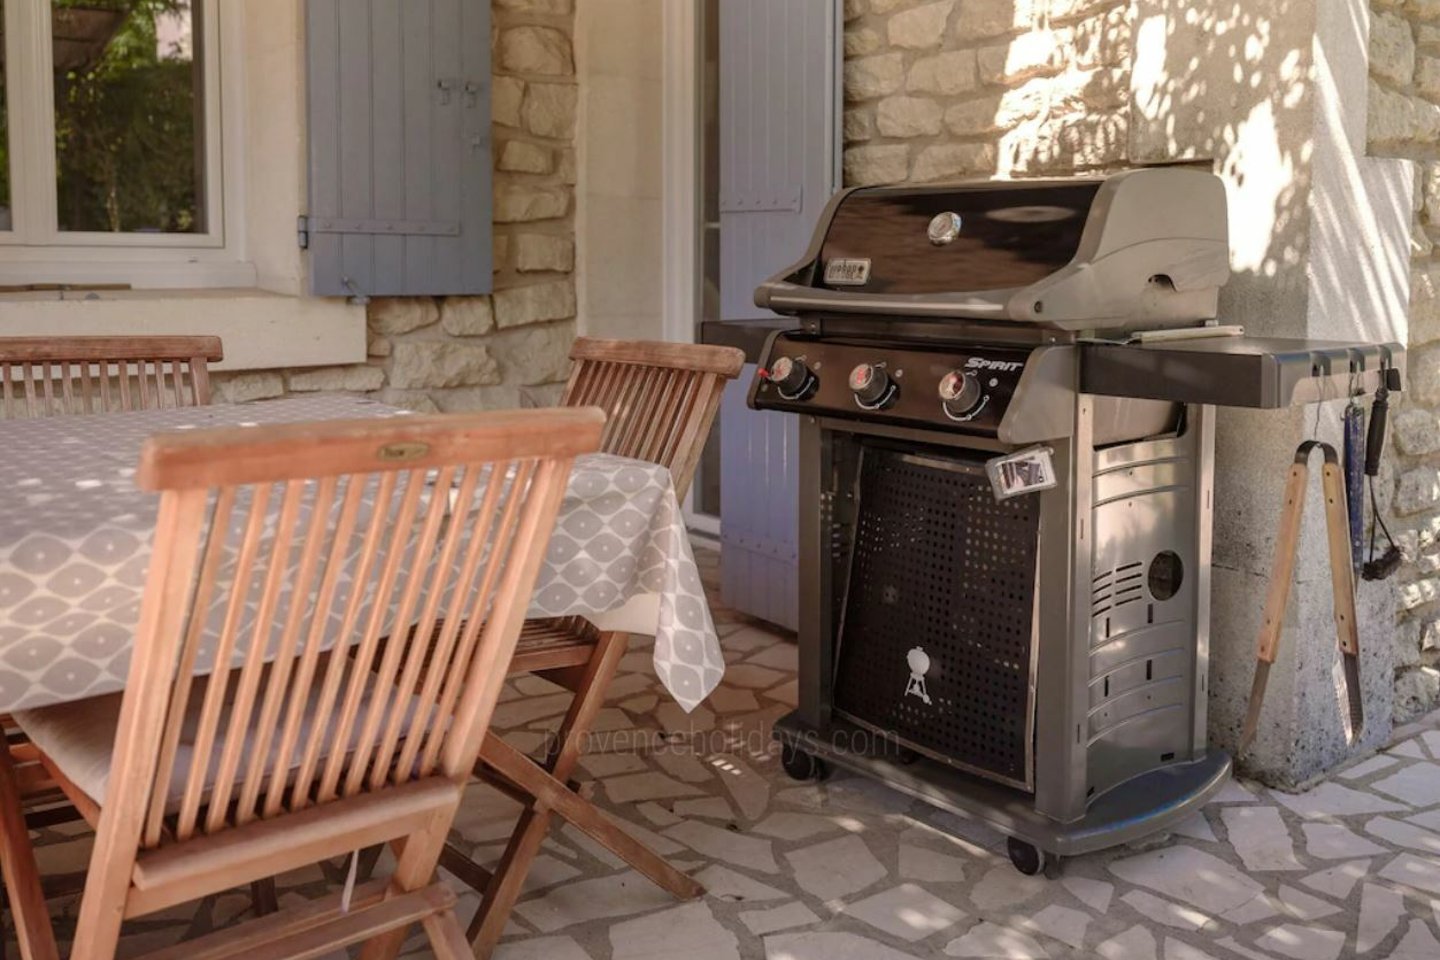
[[850, 870]]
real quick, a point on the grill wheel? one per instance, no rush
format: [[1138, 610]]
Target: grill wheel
[[802, 766], [1027, 858]]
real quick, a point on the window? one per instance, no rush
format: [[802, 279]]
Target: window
[[110, 137], [129, 114]]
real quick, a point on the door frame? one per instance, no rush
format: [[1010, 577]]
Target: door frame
[[680, 209], [680, 167]]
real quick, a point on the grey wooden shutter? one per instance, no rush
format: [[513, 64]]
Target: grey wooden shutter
[[779, 106], [399, 143], [778, 117]]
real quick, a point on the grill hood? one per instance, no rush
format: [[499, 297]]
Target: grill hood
[[1144, 248]]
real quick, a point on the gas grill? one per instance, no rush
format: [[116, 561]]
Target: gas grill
[[1007, 394]]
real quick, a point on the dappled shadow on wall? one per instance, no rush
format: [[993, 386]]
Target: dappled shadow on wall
[[1222, 85], [1229, 83]]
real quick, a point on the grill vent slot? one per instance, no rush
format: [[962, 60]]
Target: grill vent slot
[[1115, 588], [939, 565]]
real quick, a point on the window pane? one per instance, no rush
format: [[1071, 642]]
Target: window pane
[[129, 115], [5, 215]]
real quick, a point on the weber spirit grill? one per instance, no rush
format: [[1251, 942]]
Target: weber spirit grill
[[1007, 394]]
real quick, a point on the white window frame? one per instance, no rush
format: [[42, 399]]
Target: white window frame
[[36, 251]]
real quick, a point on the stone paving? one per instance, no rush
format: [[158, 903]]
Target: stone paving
[[850, 870]]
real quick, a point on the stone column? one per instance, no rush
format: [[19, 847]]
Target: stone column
[[1274, 94]]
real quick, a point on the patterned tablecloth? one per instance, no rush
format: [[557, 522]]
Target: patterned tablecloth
[[75, 541]]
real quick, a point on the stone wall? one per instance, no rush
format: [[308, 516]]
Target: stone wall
[[509, 349], [946, 89], [1404, 121]]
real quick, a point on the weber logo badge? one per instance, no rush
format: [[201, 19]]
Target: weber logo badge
[[919, 662], [944, 228], [848, 272]]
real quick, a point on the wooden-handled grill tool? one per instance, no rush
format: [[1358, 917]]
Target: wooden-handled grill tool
[[1342, 503], [1282, 573]]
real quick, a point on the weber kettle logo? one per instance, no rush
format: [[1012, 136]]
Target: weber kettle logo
[[919, 662]]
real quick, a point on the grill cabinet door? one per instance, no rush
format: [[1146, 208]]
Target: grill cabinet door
[[937, 641]]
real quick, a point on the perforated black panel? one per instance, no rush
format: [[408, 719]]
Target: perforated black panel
[[940, 567]]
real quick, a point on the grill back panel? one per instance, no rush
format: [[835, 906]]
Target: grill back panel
[[939, 566]]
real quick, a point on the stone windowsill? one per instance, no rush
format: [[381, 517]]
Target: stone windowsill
[[261, 330]]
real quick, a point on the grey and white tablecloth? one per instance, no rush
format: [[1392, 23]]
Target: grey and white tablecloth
[[75, 539]]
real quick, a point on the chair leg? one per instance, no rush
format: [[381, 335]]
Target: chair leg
[[507, 881], [509, 876], [21, 875], [263, 897], [446, 937], [455, 860], [414, 869], [585, 816], [369, 858]]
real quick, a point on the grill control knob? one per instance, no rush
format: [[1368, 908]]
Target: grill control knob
[[960, 393], [793, 380], [872, 385]]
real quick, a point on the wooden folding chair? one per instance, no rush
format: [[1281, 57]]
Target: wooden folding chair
[[660, 401], [305, 546], [54, 376], [44, 376]]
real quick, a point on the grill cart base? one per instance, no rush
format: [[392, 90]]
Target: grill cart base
[[1150, 804]]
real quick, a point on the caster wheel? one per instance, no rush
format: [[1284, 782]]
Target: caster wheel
[[799, 765], [1029, 860]]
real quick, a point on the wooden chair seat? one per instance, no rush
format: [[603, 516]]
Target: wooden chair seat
[[554, 643], [76, 741], [547, 644]]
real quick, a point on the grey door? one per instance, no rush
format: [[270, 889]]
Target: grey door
[[777, 138], [778, 152]]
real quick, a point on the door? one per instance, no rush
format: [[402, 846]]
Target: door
[[771, 159]]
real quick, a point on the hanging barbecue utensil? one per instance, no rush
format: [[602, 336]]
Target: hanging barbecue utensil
[[1378, 568], [1283, 571], [1353, 421]]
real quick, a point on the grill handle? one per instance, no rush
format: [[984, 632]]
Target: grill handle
[[783, 297]]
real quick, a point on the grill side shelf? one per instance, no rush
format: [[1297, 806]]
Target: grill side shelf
[[1259, 372]]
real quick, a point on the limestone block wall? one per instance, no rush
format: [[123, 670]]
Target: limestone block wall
[[958, 88], [509, 349], [1404, 121]]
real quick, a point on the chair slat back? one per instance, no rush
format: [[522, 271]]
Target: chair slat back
[[356, 588], [52, 376], [659, 399]]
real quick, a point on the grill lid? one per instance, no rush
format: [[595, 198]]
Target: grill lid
[[1142, 248]]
